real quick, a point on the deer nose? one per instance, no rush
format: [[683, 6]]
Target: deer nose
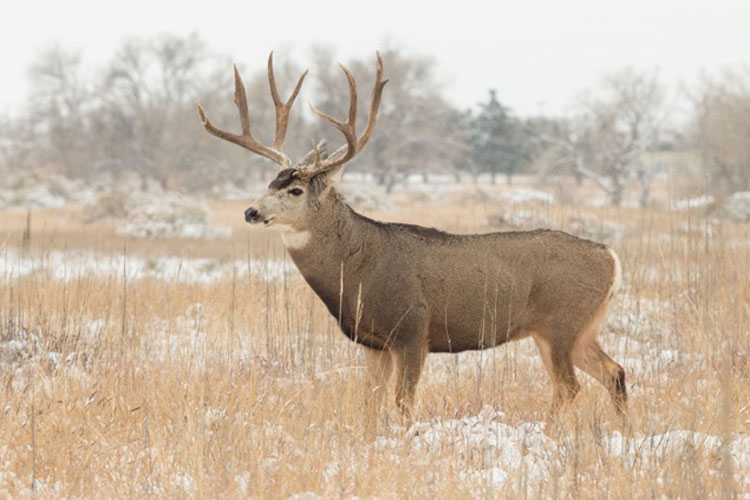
[[250, 214]]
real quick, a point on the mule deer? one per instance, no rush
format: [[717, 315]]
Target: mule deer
[[402, 290]]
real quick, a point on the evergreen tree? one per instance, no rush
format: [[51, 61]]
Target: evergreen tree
[[498, 140]]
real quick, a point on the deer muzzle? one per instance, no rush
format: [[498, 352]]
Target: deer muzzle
[[252, 215]]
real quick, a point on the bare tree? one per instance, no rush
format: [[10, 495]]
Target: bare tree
[[58, 105], [19, 148], [721, 128], [607, 139], [147, 97], [567, 151]]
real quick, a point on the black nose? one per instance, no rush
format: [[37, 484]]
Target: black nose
[[250, 214]]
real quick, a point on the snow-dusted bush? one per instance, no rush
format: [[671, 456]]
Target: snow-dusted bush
[[702, 203], [522, 219], [527, 196], [156, 214], [591, 227], [737, 207], [22, 351], [46, 191]]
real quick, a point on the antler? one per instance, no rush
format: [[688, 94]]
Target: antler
[[246, 139], [348, 128]]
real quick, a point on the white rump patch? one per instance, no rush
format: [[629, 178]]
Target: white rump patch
[[295, 240], [617, 280]]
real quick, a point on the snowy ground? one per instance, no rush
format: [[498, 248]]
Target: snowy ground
[[483, 449], [79, 264]]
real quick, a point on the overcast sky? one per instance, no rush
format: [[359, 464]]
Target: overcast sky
[[538, 54]]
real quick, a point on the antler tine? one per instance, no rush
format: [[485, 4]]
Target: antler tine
[[240, 100], [348, 128], [377, 94], [282, 108], [246, 140], [316, 152]]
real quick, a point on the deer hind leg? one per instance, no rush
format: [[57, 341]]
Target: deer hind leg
[[590, 358], [409, 361], [559, 364]]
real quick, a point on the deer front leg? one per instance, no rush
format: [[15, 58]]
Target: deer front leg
[[409, 360], [378, 365]]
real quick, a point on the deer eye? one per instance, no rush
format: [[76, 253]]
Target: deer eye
[[295, 191]]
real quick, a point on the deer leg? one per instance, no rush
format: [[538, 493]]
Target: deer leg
[[594, 361], [409, 360], [378, 365], [559, 365], [566, 383]]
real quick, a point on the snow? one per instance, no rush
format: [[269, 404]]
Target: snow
[[486, 436], [522, 219], [488, 451], [485, 452], [594, 228], [737, 207], [243, 482], [527, 196], [306, 495], [587, 226], [48, 191], [481, 447], [692, 203], [70, 265], [12, 486], [155, 213], [637, 315], [22, 352], [147, 228], [184, 482], [655, 447]]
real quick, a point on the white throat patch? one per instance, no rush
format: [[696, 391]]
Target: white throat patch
[[295, 240]]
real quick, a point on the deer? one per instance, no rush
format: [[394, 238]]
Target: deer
[[403, 291]]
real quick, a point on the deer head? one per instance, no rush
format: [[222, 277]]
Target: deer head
[[295, 195]]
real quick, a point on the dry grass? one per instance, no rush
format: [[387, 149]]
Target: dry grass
[[243, 387]]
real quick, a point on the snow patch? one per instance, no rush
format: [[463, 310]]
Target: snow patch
[[46, 191], [737, 207], [527, 196], [521, 219], [156, 214], [693, 203], [70, 265]]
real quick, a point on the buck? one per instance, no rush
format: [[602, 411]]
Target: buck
[[403, 291]]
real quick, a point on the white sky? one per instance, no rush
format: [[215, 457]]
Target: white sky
[[538, 54]]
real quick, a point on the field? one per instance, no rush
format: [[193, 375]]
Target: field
[[173, 367]]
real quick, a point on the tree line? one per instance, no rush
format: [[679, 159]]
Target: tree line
[[136, 114]]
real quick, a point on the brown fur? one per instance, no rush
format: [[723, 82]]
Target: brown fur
[[410, 290], [403, 291]]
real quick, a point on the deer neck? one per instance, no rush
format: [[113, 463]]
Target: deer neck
[[335, 239]]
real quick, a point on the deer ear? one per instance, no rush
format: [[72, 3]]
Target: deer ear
[[329, 179], [334, 175]]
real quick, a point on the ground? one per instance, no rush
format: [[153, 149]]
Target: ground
[[179, 367]]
